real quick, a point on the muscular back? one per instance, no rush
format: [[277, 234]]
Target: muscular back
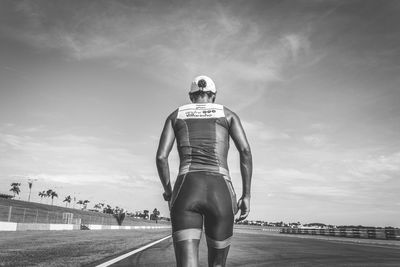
[[202, 134]]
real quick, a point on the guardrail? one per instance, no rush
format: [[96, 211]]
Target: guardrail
[[370, 233], [67, 216]]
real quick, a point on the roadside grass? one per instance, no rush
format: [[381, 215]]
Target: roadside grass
[[70, 248]]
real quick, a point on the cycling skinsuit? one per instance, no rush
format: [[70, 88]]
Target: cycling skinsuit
[[203, 189]]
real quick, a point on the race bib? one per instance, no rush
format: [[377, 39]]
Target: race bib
[[201, 111]]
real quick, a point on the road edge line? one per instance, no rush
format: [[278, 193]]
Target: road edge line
[[117, 259]]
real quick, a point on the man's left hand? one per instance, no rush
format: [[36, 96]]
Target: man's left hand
[[167, 196]]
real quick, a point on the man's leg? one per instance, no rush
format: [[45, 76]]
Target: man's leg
[[187, 253], [218, 221], [186, 244], [187, 223], [217, 252]]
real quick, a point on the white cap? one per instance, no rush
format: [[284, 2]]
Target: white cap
[[203, 83]]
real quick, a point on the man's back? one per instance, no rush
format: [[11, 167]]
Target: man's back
[[202, 134]]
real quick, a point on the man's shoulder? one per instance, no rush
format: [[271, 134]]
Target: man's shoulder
[[172, 116], [230, 114]]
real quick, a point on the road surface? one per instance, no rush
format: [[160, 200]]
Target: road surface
[[262, 248]]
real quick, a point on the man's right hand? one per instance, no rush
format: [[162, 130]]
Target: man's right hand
[[244, 207]]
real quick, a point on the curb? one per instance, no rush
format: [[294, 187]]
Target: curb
[[12, 226]]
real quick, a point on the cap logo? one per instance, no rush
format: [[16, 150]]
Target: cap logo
[[202, 84]]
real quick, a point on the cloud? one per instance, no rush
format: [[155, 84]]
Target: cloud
[[238, 50], [10, 140], [320, 126], [290, 174], [295, 45], [376, 168], [319, 190], [218, 41], [95, 47], [292, 183], [260, 133], [15, 73], [72, 158], [82, 31], [127, 181], [316, 140]]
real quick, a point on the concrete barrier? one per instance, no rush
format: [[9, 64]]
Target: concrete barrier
[[389, 233], [371, 233], [365, 233], [60, 227], [117, 227], [94, 226], [8, 226], [331, 232], [342, 232], [380, 234], [12, 226], [33, 226]]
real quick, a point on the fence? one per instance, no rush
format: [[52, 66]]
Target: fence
[[27, 215]]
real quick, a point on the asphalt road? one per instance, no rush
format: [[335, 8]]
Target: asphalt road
[[261, 248]]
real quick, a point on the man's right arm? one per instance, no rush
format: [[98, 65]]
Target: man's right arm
[[246, 162], [164, 148]]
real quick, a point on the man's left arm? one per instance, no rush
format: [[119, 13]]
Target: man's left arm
[[164, 148]]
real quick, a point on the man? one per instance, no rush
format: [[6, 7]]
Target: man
[[203, 192]]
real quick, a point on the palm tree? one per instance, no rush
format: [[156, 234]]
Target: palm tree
[[67, 200], [145, 214], [41, 195], [85, 202], [108, 209], [48, 193], [119, 215], [99, 206], [30, 189], [15, 188], [80, 202], [53, 194], [155, 214]]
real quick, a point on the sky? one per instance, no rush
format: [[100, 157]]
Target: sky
[[85, 88]]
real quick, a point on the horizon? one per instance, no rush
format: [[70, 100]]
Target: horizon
[[244, 222], [85, 88]]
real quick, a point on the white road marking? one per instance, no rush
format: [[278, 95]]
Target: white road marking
[[117, 259]]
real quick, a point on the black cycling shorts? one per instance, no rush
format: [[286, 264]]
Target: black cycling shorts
[[203, 197]]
